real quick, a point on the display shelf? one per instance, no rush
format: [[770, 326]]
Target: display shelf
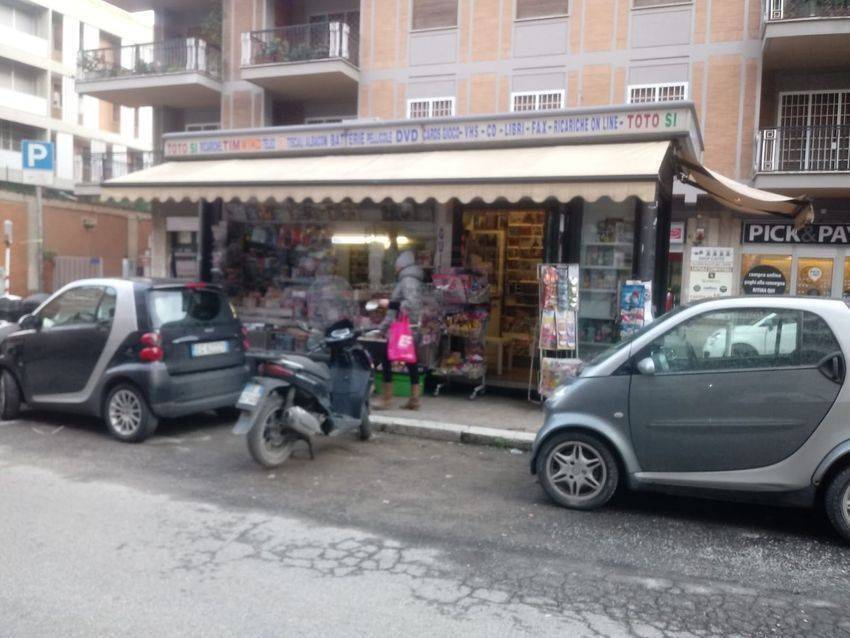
[[610, 291], [609, 244]]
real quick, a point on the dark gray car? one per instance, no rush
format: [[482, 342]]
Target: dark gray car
[[742, 398], [127, 351]]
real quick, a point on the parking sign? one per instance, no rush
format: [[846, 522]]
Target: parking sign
[[37, 161]]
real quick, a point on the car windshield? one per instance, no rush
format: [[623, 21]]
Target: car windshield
[[617, 347], [187, 306]]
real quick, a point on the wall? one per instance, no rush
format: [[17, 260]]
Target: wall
[[592, 54], [65, 234]]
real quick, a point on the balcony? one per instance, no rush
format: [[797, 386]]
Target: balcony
[[181, 73], [792, 28], [92, 169], [304, 61], [806, 159]]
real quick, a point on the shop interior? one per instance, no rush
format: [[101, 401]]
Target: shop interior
[[818, 271]]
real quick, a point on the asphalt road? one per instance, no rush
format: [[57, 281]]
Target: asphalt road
[[185, 535]]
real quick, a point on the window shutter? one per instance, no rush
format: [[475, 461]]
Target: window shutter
[[541, 8], [434, 14]]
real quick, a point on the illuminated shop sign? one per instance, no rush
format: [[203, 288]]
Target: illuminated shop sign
[[760, 233], [425, 133]]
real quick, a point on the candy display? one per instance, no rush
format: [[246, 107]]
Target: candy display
[[558, 295], [553, 372], [635, 307]]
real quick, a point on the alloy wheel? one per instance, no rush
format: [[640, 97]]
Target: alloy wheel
[[125, 412], [845, 504], [577, 470], [275, 435]]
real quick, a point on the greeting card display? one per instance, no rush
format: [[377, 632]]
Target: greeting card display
[[557, 338]]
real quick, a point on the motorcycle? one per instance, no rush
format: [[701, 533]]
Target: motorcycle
[[299, 397]]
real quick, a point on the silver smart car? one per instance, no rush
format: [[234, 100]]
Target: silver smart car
[[737, 398]]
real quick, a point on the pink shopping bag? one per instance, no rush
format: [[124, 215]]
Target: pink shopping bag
[[400, 345]]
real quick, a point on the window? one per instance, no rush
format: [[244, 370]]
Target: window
[[670, 92], [643, 4], [56, 28], [26, 20], [186, 306], [537, 101], [729, 340], [812, 124], [431, 107], [26, 80], [12, 134], [434, 14], [77, 306], [106, 308], [818, 340], [526, 9]]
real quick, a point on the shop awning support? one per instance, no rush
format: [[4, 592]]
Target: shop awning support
[[743, 198]]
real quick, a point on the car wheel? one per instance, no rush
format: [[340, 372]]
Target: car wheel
[[10, 397], [127, 414], [365, 429], [578, 471], [270, 442], [837, 503]]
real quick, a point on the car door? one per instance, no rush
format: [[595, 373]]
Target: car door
[[723, 399], [61, 355]]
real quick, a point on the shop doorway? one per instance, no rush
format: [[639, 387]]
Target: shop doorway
[[507, 245]]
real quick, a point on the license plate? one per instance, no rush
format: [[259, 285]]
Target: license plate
[[209, 348], [251, 395]]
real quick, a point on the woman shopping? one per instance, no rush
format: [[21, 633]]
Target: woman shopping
[[406, 301]]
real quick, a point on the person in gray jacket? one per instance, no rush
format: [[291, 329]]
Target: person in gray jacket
[[406, 299]]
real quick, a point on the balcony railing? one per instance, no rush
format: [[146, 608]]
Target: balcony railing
[[303, 43], [180, 55], [95, 168], [804, 149], [776, 10]]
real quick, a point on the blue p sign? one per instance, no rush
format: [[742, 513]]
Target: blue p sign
[[37, 155]]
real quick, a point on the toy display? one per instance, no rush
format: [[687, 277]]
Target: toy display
[[635, 307]]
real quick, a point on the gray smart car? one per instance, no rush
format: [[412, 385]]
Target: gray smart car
[[736, 398]]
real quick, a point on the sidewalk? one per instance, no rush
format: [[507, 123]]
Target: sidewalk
[[491, 419]]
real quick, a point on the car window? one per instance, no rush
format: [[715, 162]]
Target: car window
[[818, 340], [188, 306], [76, 306], [106, 308], [729, 340]]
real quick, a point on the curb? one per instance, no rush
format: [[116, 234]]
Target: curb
[[439, 431]]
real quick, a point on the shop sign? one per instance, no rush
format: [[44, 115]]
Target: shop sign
[[764, 280], [711, 272], [425, 133], [761, 233]]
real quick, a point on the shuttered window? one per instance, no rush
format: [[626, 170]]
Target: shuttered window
[[431, 107], [434, 14], [537, 101], [672, 92], [541, 8]]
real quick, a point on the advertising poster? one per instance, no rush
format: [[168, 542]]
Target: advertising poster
[[711, 272]]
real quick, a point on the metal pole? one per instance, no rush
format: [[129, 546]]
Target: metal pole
[[39, 242]]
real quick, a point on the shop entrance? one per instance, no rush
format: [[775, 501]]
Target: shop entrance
[[818, 271], [508, 245]]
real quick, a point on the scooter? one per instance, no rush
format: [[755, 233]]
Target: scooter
[[297, 398]]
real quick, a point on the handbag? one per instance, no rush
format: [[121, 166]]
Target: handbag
[[400, 343]]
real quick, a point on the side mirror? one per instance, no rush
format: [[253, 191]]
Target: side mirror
[[646, 366], [30, 322]]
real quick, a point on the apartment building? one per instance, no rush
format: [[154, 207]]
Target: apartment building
[[769, 80], [38, 67]]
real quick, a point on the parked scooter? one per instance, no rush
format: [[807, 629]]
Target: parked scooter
[[296, 397]]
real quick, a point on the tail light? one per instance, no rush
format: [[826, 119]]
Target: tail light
[[275, 370], [151, 347], [245, 343]]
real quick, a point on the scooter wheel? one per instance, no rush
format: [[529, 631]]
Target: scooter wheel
[[269, 441]]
